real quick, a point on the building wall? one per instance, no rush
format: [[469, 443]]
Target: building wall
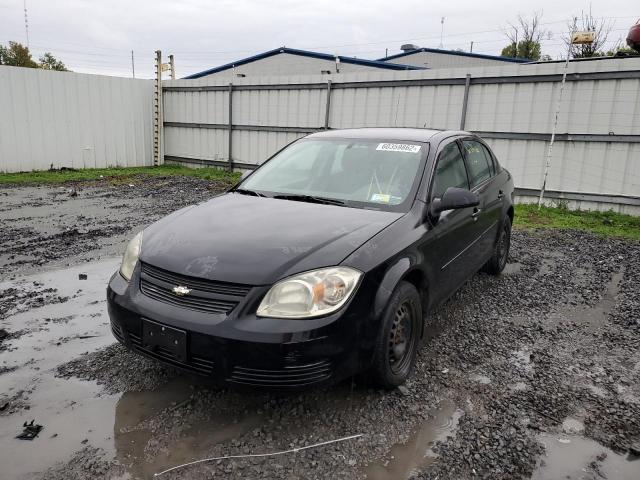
[[441, 60], [288, 64], [64, 119]]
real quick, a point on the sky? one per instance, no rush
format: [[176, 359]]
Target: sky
[[97, 36]]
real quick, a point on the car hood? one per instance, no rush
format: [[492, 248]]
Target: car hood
[[257, 240]]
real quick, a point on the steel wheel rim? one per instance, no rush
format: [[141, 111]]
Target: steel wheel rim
[[400, 341], [503, 247]]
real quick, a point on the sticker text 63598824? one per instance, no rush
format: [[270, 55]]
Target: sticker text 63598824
[[398, 147]]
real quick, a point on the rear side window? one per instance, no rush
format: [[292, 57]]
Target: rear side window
[[450, 171], [479, 162]]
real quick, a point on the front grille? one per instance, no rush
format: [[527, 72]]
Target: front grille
[[293, 376], [206, 295], [195, 363]]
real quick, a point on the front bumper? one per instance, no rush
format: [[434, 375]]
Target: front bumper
[[240, 348]]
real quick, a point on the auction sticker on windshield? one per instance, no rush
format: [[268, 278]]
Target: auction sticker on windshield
[[398, 147]]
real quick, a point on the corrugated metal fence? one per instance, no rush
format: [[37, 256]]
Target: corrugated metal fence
[[595, 160], [63, 119]]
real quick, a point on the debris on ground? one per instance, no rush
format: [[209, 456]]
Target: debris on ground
[[30, 430]]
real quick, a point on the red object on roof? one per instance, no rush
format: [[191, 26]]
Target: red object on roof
[[633, 39]]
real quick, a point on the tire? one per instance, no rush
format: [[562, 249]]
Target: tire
[[500, 255], [399, 337]]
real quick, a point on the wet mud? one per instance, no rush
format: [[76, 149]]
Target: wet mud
[[532, 374]]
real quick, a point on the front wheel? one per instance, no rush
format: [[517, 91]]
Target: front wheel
[[398, 339], [498, 260]]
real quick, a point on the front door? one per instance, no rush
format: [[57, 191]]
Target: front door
[[449, 247]]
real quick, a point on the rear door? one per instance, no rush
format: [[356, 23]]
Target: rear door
[[482, 175]]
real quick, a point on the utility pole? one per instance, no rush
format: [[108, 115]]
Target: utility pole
[[26, 22], [158, 147], [133, 66], [173, 67], [575, 38], [441, 31]]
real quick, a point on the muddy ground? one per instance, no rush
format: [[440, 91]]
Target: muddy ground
[[533, 374]]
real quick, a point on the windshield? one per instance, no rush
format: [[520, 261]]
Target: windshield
[[359, 173]]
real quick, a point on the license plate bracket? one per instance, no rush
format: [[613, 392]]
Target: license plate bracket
[[164, 340]]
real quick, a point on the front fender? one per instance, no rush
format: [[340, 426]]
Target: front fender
[[392, 276]]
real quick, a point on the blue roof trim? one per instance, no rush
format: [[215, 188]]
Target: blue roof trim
[[306, 53], [453, 52]]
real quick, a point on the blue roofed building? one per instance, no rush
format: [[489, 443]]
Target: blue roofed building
[[291, 61], [437, 58]]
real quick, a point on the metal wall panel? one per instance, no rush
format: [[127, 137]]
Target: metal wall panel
[[497, 104], [64, 119]]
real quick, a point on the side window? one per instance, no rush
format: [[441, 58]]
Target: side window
[[479, 162], [450, 171]]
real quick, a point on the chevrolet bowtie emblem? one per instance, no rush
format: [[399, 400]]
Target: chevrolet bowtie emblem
[[181, 291]]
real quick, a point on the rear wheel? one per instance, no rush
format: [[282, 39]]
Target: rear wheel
[[498, 260], [398, 339]]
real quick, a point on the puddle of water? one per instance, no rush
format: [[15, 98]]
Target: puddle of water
[[72, 409], [75, 412], [512, 268], [595, 316], [405, 459], [132, 436], [573, 457]]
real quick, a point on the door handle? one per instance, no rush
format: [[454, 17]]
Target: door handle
[[500, 195], [476, 212]]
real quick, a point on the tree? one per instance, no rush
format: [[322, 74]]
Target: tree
[[524, 49], [49, 62], [524, 37], [588, 23], [16, 55]]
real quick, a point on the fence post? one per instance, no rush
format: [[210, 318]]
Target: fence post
[[172, 67], [328, 106], [230, 127], [465, 101], [158, 116]]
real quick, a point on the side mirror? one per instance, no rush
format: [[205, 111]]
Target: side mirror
[[245, 174], [453, 199]]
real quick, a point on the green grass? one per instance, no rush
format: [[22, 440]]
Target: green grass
[[602, 223], [117, 175]]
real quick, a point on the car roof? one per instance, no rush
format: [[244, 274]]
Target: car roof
[[383, 133]]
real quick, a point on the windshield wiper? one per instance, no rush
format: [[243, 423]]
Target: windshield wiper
[[244, 191], [310, 199]]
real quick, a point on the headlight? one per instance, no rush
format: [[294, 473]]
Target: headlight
[[130, 257], [310, 294]]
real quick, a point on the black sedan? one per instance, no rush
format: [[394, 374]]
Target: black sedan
[[322, 263]]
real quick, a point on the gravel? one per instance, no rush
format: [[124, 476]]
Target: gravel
[[556, 337], [87, 463], [118, 370], [518, 353]]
